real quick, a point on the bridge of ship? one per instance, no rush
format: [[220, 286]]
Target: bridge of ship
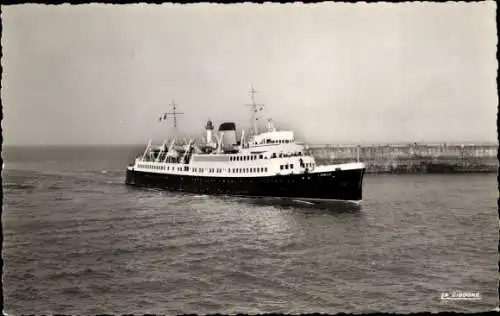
[[272, 138]]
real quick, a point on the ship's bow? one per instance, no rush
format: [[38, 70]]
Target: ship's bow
[[339, 182]]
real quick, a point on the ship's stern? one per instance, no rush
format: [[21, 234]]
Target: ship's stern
[[130, 176]]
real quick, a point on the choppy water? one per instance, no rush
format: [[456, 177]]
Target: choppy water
[[78, 241]]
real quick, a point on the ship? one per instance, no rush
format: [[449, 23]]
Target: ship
[[265, 164]]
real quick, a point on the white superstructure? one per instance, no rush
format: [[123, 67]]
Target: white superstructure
[[223, 154]]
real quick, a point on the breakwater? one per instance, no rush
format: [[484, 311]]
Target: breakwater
[[413, 158]]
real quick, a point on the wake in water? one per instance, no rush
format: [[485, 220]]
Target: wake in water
[[335, 206]]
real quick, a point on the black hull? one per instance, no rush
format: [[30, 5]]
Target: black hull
[[313, 187]]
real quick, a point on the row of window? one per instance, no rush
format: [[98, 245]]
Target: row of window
[[270, 141], [210, 170], [243, 180], [245, 158], [233, 170], [255, 157], [248, 170], [153, 167], [290, 166]]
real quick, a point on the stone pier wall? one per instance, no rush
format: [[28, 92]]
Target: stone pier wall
[[413, 158]]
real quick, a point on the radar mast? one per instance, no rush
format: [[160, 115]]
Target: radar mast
[[255, 108], [173, 113]]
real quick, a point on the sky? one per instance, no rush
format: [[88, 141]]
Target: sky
[[331, 72]]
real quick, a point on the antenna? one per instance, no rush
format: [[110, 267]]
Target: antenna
[[174, 113], [256, 108]]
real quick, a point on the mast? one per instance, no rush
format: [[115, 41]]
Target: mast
[[174, 113], [256, 108]]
